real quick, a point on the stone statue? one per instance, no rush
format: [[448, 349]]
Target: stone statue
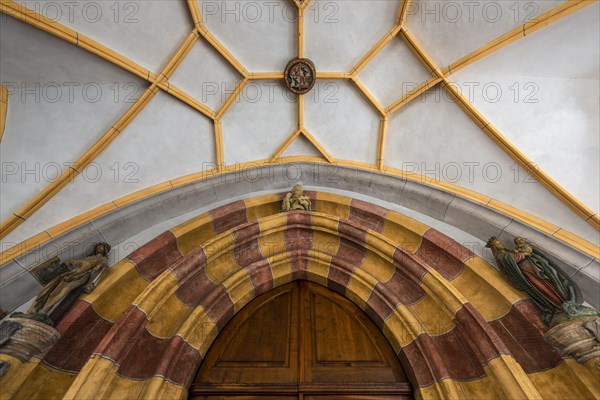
[[295, 200], [85, 272], [533, 272]]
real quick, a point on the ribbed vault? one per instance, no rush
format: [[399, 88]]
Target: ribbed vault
[[159, 81]]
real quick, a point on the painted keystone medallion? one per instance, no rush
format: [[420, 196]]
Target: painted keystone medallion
[[300, 75]]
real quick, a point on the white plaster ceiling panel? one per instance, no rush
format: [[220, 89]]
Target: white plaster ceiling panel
[[62, 99], [301, 146], [339, 33], [261, 35], [166, 140], [259, 120], [206, 76], [547, 103], [393, 72], [342, 120], [449, 30], [432, 136], [146, 32]]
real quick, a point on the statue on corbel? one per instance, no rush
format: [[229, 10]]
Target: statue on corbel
[[295, 200], [85, 272], [574, 328], [23, 335]]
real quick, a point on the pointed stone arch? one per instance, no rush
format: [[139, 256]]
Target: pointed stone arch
[[449, 316]]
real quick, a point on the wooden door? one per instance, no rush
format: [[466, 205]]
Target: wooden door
[[300, 341]]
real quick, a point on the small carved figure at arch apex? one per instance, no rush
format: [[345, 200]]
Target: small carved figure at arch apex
[[295, 200]]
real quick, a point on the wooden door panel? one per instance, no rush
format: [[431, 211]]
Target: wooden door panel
[[264, 338], [341, 344], [337, 338], [235, 397], [269, 391], [259, 345], [301, 341], [357, 397]]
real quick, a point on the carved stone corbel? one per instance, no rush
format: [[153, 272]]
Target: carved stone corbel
[[24, 338]]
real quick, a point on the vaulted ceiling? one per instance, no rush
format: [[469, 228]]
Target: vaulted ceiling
[[113, 100]]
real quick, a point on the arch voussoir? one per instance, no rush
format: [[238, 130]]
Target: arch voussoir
[[206, 287]]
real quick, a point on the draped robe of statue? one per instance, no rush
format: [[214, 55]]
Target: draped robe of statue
[[534, 273], [86, 271]]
